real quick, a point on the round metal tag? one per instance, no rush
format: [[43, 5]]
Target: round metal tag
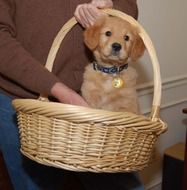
[[117, 82]]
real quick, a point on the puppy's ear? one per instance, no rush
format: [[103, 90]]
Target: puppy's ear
[[138, 48], [92, 34]]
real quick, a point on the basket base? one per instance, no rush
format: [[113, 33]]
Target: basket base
[[77, 168]]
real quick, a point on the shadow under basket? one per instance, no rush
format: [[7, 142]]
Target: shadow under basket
[[84, 139]]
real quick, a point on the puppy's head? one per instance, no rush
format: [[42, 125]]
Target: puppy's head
[[114, 40]]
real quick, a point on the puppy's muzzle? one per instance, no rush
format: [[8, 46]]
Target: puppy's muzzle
[[116, 47]]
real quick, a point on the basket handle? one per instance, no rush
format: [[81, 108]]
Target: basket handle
[[146, 39]]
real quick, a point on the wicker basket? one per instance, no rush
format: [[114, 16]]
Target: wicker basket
[[84, 139]]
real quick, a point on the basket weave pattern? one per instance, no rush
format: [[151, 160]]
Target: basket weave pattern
[[84, 139]]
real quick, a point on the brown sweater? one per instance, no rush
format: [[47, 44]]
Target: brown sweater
[[27, 30]]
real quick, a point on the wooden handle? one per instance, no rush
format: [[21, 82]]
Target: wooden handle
[[146, 39]]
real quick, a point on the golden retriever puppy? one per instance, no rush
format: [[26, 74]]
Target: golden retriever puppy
[[109, 82]]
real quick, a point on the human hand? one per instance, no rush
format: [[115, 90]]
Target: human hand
[[86, 14], [102, 3], [66, 95]]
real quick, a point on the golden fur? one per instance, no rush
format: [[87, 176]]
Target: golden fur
[[97, 87]]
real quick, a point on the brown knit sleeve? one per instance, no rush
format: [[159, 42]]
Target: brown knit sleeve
[[16, 64], [127, 6]]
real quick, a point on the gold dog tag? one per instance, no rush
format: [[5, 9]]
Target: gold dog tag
[[117, 82]]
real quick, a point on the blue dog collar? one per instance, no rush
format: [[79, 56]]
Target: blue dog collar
[[109, 70]]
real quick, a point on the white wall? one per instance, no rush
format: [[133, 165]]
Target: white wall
[[165, 22]]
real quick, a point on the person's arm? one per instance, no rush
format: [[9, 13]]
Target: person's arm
[[18, 65], [86, 14]]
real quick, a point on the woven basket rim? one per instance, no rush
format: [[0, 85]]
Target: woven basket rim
[[58, 107], [79, 114]]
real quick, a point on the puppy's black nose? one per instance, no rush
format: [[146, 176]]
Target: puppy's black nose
[[116, 47]]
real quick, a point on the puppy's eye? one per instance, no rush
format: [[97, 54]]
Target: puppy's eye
[[108, 33], [126, 38]]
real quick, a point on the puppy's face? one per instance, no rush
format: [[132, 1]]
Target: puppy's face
[[113, 41]]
